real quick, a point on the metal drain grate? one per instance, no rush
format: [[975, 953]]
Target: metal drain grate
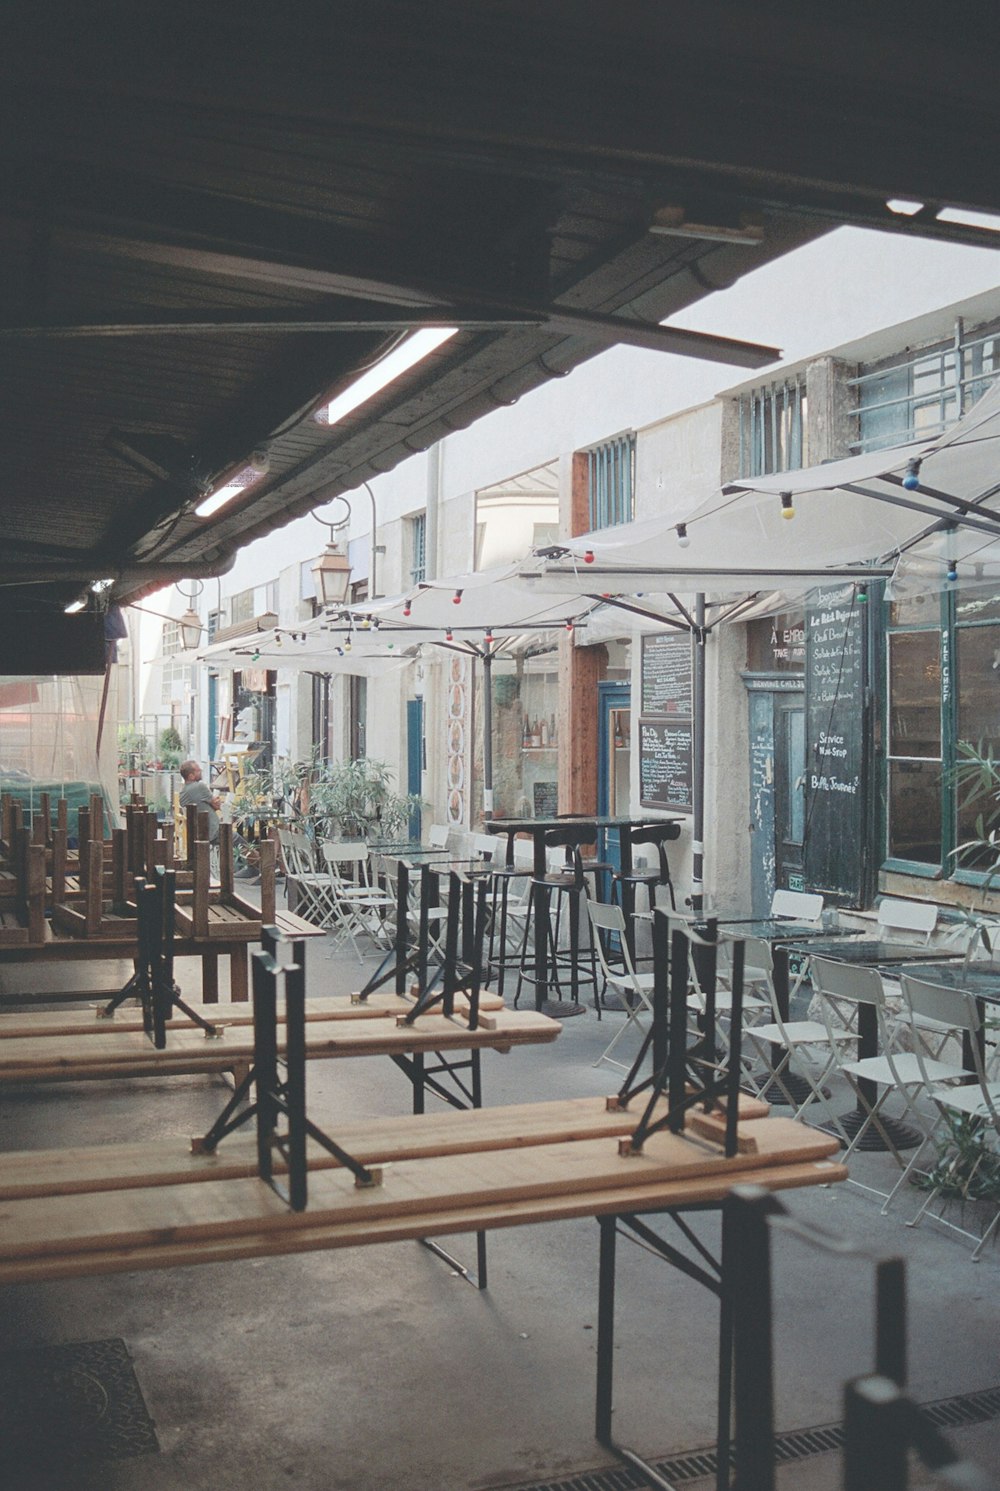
[[800, 1444], [65, 1404]]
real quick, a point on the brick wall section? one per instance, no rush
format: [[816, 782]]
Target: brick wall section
[[580, 671]]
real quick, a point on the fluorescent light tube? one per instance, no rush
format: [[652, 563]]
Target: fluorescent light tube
[[402, 358]]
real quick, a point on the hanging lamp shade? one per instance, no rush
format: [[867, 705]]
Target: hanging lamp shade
[[332, 573], [190, 628]]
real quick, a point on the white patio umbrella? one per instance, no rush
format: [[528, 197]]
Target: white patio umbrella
[[303, 649], [482, 614]]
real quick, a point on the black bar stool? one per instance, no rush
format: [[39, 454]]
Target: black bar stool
[[510, 899], [624, 886], [569, 885]]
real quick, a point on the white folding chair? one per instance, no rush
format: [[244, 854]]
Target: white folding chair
[[359, 908], [797, 905], [313, 899], [437, 835], [973, 1105], [775, 1042], [889, 1071], [634, 989], [915, 919]]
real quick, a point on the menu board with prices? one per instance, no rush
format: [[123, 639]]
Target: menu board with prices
[[666, 723]]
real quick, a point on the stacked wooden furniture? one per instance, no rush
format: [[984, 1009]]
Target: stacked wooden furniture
[[216, 910], [89, 895]]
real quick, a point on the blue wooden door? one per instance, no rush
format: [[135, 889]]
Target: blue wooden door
[[613, 777], [414, 756]]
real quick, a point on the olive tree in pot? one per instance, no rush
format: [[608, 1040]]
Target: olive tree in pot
[[356, 800]]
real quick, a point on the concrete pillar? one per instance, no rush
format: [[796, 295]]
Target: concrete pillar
[[830, 401]]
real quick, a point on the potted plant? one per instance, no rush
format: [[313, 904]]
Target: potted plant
[[356, 800]]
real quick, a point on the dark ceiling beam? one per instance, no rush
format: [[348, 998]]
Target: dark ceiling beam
[[210, 323], [127, 578], [570, 320], [818, 100]]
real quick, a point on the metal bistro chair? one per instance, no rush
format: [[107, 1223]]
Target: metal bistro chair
[[977, 1103], [797, 905], [777, 1041], [359, 908], [875, 1078], [313, 898], [635, 989]]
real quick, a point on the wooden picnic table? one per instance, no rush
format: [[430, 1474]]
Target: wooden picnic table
[[116, 1208]]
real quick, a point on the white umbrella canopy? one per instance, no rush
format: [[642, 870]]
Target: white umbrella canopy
[[310, 650], [852, 518], [469, 605]]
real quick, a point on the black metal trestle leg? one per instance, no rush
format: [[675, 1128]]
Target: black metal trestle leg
[[276, 1097], [707, 1274], [152, 982]]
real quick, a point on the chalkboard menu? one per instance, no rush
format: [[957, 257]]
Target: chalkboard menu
[[545, 799], [835, 682], [665, 724], [666, 674]]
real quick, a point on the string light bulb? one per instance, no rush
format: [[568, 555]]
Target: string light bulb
[[569, 626], [952, 571], [683, 541], [787, 505], [407, 608], [588, 558], [911, 479], [456, 599], [449, 635]]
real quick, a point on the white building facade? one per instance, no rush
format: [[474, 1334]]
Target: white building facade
[[878, 335]]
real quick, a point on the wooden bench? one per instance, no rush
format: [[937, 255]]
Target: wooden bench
[[112, 1052], [85, 1022], [116, 1208]]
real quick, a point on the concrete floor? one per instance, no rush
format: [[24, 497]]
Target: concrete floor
[[381, 1370]]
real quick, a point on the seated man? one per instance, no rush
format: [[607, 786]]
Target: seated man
[[197, 794]]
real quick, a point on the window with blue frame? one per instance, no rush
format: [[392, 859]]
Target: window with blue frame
[[611, 481], [920, 394], [774, 428], [943, 694]]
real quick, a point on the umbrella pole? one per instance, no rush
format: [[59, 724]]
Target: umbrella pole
[[487, 656], [699, 637]]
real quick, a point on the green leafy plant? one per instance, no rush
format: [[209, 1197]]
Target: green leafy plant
[[976, 777], [171, 749], [967, 1167], [356, 800]]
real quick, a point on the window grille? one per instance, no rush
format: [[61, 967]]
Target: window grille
[[418, 548], [921, 394], [611, 481], [773, 428]]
